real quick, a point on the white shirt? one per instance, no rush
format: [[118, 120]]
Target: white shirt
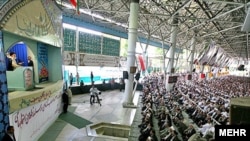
[[93, 90]]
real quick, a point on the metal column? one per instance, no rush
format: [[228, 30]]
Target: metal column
[[132, 37], [77, 50], [191, 61], [171, 52]]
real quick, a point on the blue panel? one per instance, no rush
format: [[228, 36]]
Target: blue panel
[[94, 26], [4, 102]]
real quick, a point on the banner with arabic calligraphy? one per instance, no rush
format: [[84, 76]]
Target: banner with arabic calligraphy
[[32, 21], [111, 47], [99, 60], [69, 42], [42, 57], [69, 58], [33, 113], [90, 43]]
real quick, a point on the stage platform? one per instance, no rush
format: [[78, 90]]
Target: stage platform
[[76, 89]]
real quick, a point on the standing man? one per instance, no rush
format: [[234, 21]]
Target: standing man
[[91, 77], [71, 79], [121, 84], [77, 78], [9, 135], [69, 92], [65, 100], [30, 62]]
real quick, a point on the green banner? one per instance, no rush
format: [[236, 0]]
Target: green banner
[[89, 43], [69, 39]]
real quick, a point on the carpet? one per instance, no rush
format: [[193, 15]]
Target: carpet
[[74, 120], [72, 109]]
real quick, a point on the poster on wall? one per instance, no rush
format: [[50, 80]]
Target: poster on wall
[[28, 78], [42, 58]]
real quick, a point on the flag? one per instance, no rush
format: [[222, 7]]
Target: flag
[[75, 3]]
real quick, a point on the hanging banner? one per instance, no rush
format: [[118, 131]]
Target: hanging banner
[[99, 60], [141, 61], [34, 113], [42, 57], [69, 58]]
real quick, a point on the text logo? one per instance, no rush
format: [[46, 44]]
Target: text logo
[[223, 132]]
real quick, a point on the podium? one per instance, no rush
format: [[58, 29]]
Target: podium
[[20, 79]]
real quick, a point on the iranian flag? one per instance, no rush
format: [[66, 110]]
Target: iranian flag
[[75, 3]]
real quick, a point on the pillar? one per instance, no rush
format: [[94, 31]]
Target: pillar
[[171, 52], [77, 52], [4, 114], [191, 61], [132, 37]]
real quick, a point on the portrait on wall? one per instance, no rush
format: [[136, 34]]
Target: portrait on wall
[[28, 78]]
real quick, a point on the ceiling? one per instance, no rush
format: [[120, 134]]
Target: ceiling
[[220, 21]]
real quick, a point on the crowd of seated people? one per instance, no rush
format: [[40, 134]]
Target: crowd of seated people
[[147, 132], [159, 104], [205, 102]]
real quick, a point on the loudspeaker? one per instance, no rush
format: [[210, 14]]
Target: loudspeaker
[[137, 76], [125, 74], [241, 68], [240, 111], [172, 79], [172, 70]]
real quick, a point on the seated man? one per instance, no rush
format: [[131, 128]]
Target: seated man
[[94, 93]]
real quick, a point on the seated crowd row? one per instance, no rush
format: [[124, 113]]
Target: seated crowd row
[[193, 106]]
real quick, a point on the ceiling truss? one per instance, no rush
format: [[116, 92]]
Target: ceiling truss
[[217, 20]]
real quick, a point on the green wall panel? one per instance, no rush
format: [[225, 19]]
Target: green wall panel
[[69, 39], [89, 43], [111, 47]]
